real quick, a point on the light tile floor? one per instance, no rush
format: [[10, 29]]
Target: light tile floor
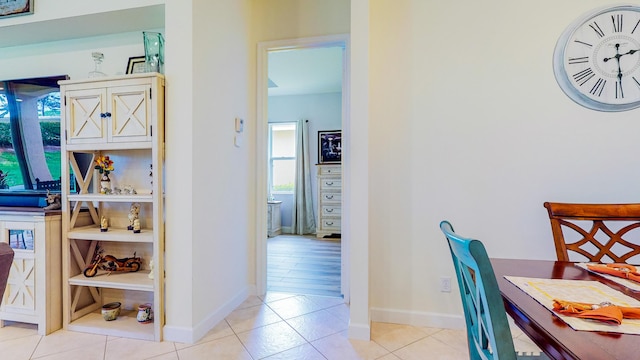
[[277, 326]]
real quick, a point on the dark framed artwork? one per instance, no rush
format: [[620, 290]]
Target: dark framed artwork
[[15, 8], [136, 65], [329, 147]]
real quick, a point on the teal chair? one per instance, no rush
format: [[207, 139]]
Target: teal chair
[[488, 333]]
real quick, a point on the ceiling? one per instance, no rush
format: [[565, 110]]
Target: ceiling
[[128, 20], [305, 71]]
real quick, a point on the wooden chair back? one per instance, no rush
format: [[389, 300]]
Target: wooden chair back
[[52, 185], [595, 232], [488, 333]]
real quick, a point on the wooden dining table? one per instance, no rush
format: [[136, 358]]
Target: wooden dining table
[[557, 339]]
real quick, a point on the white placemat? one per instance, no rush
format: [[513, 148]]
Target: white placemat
[[633, 285], [585, 291]]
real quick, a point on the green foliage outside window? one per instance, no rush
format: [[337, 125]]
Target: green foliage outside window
[[9, 163], [50, 134], [283, 187]]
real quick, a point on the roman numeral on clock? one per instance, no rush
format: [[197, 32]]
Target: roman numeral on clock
[[581, 77], [582, 43], [578, 60], [619, 92], [597, 29], [598, 87], [617, 22], [635, 27]]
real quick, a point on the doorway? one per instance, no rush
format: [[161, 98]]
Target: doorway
[[266, 114]]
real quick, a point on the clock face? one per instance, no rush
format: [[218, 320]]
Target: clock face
[[597, 59]]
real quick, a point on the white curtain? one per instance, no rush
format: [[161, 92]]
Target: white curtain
[[304, 221]]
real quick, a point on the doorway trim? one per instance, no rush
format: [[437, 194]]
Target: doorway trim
[[264, 48]]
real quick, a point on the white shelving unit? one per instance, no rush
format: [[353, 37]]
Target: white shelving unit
[[122, 117]]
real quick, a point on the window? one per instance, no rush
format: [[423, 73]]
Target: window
[[282, 157], [29, 132]]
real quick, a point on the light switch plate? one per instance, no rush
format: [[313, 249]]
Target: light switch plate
[[239, 125]]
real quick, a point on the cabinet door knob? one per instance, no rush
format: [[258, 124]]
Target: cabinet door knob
[[105, 115]]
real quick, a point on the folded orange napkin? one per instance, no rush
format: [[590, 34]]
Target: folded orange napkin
[[604, 312], [620, 270]]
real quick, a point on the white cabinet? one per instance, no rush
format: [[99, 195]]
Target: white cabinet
[[114, 113], [274, 218], [329, 200], [33, 293], [133, 138]]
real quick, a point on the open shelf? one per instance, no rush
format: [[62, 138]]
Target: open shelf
[[126, 325], [138, 280], [93, 232], [111, 198]]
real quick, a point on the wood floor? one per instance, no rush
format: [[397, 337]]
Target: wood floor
[[303, 265]]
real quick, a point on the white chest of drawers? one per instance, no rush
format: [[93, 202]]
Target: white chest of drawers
[[329, 200]]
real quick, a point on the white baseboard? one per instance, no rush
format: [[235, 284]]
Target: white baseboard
[[191, 335], [418, 318], [359, 331]]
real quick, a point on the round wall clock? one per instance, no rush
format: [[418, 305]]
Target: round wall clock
[[597, 59]]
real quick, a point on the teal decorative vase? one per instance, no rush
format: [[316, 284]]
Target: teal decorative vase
[[154, 51]]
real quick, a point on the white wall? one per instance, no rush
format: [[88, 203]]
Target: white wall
[[70, 57], [179, 202], [213, 187], [222, 172], [477, 131], [289, 19]]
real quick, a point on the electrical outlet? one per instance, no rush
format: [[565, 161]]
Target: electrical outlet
[[445, 284]]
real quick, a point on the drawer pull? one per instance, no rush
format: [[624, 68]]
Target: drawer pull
[[328, 197], [328, 183], [328, 223], [328, 210]]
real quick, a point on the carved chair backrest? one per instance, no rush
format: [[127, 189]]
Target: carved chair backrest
[[595, 232]]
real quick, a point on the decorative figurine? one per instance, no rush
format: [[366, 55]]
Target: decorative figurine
[[145, 314], [104, 224], [105, 185], [151, 268], [129, 190], [151, 176], [136, 226], [54, 201], [111, 264], [134, 214]]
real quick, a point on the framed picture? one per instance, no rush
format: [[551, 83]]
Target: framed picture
[[15, 8], [136, 65], [329, 147]]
